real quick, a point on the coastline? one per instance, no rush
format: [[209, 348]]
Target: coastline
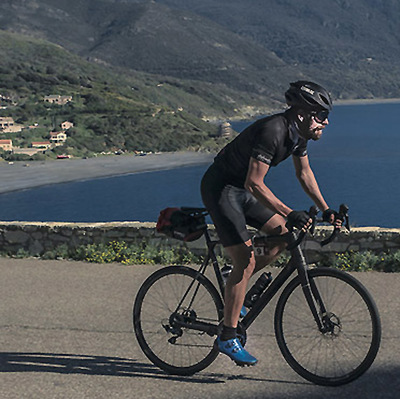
[[25, 175], [336, 103], [22, 175], [367, 101]]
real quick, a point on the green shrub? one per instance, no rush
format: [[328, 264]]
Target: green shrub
[[22, 253], [142, 253], [60, 252], [364, 261], [356, 261], [389, 262]]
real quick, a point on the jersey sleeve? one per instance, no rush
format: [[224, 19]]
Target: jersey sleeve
[[301, 149], [266, 145]]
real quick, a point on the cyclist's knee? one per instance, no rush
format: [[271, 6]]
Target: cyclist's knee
[[243, 261], [275, 226]]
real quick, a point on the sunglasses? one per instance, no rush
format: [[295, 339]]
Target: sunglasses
[[320, 116]]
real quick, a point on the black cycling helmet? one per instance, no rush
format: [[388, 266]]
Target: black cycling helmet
[[308, 95]]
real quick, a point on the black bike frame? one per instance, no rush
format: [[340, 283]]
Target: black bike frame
[[296, 262]]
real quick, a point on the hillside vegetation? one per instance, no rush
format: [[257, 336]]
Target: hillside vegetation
[[109, 111], [146, 75]]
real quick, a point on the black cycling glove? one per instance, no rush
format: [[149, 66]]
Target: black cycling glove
[[326, 215], [298, 219]]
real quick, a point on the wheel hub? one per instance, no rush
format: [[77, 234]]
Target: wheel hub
[[332, 326]]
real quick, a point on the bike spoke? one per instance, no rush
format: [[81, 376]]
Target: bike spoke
[[340, 350], [169, 344]]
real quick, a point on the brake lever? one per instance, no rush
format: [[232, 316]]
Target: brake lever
[[313, 215], [344, 217]]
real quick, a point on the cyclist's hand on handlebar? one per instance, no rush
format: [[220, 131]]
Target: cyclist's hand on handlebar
[[300, 220], [332, 217]]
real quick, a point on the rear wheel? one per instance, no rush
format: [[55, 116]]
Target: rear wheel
[[349, 340], [169, 298]]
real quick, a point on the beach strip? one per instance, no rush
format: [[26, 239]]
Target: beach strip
[[24, 175]]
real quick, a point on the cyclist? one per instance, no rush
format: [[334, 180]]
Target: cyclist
[[235, 193]]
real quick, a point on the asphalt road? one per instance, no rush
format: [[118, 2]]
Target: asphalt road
[[66, 332]]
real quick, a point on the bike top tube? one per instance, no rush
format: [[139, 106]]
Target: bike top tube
[[292, 239]]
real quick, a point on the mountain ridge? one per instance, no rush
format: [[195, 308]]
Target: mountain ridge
[[151, 37], [252, 50], [351, 46]]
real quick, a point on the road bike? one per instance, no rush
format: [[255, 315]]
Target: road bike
[[326, 323]]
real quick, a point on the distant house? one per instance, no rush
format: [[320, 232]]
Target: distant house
[[57, 99], [5, 98], [6, 145], [41, 144], [6, 122], [66, 125], [7, 125], [58, 138]]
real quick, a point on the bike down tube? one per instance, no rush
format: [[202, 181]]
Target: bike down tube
[[297, 261], [266, 297], [269, 293]]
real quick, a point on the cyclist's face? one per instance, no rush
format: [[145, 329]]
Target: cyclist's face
[[316, 127], [311, 127]]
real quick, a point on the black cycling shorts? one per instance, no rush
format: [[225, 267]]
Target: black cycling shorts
[[231, 208]]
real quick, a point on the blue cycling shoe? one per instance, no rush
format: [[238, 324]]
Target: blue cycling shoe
[[234, 349]]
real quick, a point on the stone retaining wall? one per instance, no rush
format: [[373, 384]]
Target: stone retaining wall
[[36, 238]]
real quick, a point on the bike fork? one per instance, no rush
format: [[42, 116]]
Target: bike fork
[[315, 304], [310, 290]]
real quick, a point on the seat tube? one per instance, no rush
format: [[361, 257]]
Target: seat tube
[[211, 256]]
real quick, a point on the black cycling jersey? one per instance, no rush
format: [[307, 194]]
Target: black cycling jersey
[[270, 140], [231, 206]]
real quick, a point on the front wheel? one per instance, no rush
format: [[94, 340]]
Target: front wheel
[[347, 344], [175, 316]]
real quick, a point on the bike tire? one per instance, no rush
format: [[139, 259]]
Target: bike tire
[[332, 358], [157, 300]]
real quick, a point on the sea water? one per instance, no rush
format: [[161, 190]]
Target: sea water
[[356, 162]]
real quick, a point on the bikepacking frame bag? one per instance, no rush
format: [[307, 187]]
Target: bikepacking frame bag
[[180, 224]]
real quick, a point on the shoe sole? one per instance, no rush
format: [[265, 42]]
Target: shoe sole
[[240, 364]]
